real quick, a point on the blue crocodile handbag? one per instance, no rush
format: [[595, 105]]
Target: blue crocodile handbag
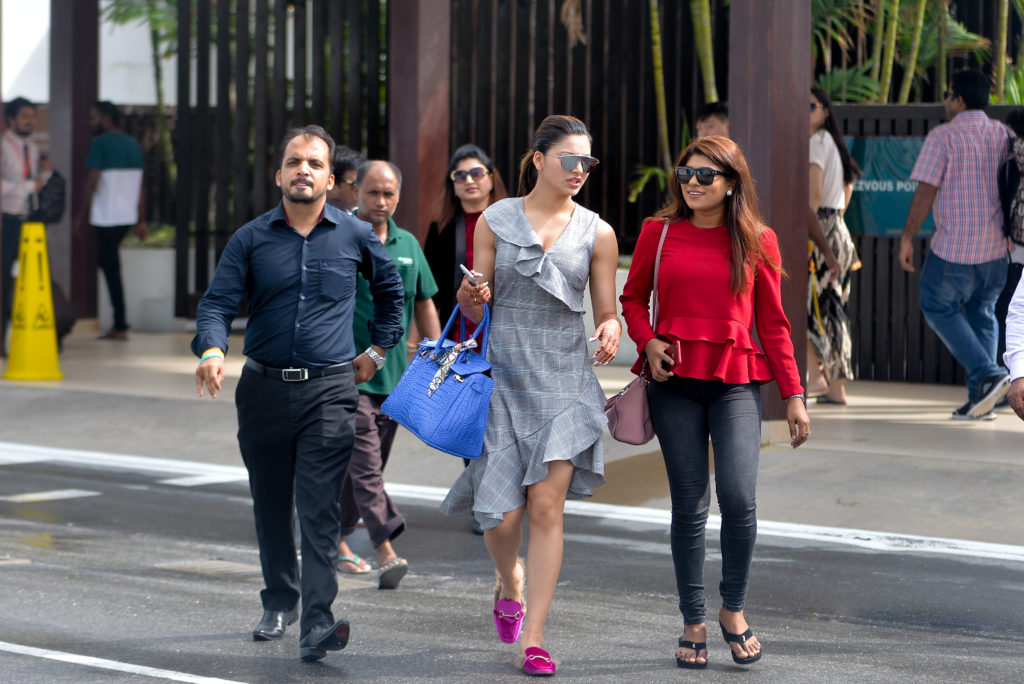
[[445, 393]]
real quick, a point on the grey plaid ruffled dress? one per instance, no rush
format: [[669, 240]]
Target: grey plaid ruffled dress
[[547, 404]]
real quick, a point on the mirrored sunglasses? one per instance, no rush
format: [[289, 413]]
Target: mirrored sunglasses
[[477, 172], [705, 175], [569, 161]]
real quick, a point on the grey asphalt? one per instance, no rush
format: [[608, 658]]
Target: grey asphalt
[[165, 576]]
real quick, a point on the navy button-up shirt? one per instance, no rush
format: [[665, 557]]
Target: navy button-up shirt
[[300, 291]]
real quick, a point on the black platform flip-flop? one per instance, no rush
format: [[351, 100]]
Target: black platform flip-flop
[[740, 639], [697, 647], [823, 399]]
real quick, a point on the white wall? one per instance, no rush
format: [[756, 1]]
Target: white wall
[[126, 71], [26, 50]]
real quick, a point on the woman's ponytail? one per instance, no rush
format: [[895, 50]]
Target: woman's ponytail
[[527, 174]]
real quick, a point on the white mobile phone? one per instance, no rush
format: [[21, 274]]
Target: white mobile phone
[[469, 274]]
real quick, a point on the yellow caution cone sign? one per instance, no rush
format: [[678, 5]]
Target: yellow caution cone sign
[[33, 352]]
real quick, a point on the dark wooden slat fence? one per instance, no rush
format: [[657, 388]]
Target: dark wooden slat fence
[[512, 65], [278, 63]]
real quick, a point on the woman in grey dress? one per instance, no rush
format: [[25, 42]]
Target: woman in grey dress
[[543, 439]]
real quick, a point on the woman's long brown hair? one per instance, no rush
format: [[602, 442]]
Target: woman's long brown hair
[[742, 216]]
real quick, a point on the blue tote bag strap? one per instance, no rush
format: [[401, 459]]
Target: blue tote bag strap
[[482, 330], [485, 324]]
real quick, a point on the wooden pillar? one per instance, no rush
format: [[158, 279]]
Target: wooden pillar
[[74, 84], [418, 104], [769, 92], [184, 187]]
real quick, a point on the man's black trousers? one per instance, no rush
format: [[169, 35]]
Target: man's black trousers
[[11, 244], [297, 437]]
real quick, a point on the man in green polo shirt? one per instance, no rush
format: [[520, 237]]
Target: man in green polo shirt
[[362, 495]]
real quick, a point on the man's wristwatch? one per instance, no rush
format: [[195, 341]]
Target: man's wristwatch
[[377, 359]]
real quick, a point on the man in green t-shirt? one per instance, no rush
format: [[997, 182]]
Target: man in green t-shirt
[[362, 495]]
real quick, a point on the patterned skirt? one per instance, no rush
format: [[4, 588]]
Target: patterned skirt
[[828, 322]]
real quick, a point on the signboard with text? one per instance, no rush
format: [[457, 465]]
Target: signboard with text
[[881, 196]]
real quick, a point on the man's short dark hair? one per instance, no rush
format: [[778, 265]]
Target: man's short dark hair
[[14, 107], [346, 159], [718, 109], [306, 132], [973, 86], [365, 167], [107, 108]]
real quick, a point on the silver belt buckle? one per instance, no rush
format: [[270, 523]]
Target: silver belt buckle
[[295, 374]]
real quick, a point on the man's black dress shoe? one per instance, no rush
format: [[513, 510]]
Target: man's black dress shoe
[[320, 639], [273, 623]]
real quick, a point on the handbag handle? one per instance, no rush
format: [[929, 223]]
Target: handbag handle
[[482, 328], [462, 331]]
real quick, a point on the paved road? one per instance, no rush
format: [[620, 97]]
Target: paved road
[[151, 561], [152, 564]]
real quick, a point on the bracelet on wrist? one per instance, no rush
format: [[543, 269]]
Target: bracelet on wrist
[[211, 353], [801, 395]]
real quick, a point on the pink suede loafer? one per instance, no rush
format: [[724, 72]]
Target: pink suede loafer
[[508, 620], [538, 663]]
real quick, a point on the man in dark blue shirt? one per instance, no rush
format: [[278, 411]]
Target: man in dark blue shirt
[[296, 266]]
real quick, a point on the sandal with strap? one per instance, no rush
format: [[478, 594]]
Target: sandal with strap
[[392, 572], [697, 647], [361, 566], [740, 639]]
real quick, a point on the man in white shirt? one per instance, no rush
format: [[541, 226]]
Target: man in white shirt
[[116, 202], [24, 172]]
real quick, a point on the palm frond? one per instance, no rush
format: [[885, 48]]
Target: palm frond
[[852, 84]]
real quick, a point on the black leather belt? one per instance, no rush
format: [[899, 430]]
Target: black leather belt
[[297, 374], [827, 211]]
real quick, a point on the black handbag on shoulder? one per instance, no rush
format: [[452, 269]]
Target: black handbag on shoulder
[[1008, 182], [50, 200]]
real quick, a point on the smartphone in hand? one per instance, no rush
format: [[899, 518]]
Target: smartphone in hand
[[675, 352], [469, 274]]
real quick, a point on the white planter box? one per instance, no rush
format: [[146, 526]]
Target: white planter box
[[148, 278]]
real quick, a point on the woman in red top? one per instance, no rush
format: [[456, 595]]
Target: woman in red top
[[719, 274]]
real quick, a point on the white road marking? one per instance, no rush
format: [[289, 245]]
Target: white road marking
[[199, 480], [868, 539], [104, 664], [52, 495]]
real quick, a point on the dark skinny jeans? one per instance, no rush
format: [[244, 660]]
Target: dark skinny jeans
[[686, 412]]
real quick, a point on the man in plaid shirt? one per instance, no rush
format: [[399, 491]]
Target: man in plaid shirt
[[965, 269]]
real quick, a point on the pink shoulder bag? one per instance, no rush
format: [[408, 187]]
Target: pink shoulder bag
[[628, 413]]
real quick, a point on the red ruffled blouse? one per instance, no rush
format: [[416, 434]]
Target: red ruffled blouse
[[697, 306]]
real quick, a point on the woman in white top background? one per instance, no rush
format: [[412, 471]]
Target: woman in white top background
[[833, 256]]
